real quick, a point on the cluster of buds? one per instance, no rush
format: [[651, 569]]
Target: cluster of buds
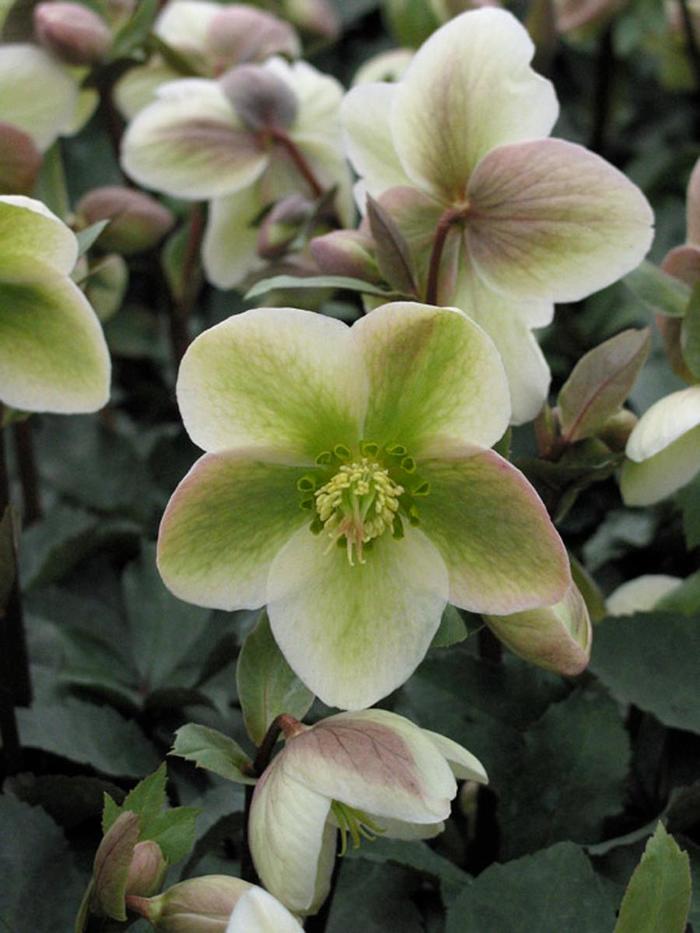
[[72, 32]]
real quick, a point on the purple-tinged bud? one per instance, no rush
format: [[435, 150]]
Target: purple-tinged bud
[[147, 869], [671, 330], [138, 221], [346, 252], [20, 160], [199, 905], [617, 429], [314, 17], [111, 867], [282, 225], [261, 99], [241, 34], [75, 34]]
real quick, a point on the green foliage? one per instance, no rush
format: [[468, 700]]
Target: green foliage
[[658, 292], [690, 334], [317, 281], [658, 895], [267, 686], [213, 751]]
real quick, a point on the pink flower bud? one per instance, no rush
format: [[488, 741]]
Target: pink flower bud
[[138, 221], [199, 905], [346, 252], [72, 32], [315, 17], [617, 429], [261, 99], [241, 34], [20, 160], [282, 224], [147, 869]]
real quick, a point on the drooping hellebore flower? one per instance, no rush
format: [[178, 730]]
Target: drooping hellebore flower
[[215, 904], [359, 774], [501, 221], [259, 133], [372, 438], [53, 355]]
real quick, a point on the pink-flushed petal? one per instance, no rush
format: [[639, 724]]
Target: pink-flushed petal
[[274, 378], [551, 220], [223, 527], [353, 634], [365, 117], [434, 377], [503, 553], [557, 638], [693, 206], [291, 840], [509, 323], [188, 143], [468, 89], [683, 262], [374, 761]]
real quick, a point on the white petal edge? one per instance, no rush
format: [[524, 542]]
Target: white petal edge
[[260, 912], [663, 423]]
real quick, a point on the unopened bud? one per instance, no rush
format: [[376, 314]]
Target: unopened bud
[[282, 225], [111, 867], [261, 99], [671, 330], [316, 18], [75, 34], [138, 221], [346, 252], [199, 905], [147, 869], [105, 285], [617, 429], [20, 160], [240, 34]]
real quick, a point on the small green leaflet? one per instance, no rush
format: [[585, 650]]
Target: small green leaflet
[[318, 281], [213, 751]]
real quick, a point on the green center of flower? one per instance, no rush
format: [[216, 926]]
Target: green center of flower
[[354, 823], [359, 503]]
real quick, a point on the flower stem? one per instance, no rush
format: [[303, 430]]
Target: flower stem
[[448, 218], [28, 474], [299, 160], [15, 685], [183, 302]]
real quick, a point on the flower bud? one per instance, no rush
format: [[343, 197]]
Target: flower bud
[[671, 330], [241, 34], [282, 225], [346, 252], [617, 429], [106, 284], [261, 99], [75, 34], [314, 17], [147, 869], [138, 221], [111, 867], [199, 905], [20, 160]]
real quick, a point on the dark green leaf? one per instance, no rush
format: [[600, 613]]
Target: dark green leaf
[[658, 895], [213, 751], [374, 899], [578, 750], [636, 655], [417, 856], [658, 291], [689, 500], [600, 383], [147, 799], [135, 32], [267, 686], [7, 557], [690, 333], [317, 281], [552, 891], [173, 830], [683, 598]]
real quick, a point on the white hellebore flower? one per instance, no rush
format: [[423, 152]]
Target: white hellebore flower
[[357, 774], [53, 355], [641, 594], [663, 450], [500, 220], [259, 133]]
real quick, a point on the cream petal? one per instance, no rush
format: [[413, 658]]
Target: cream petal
[[138, 87], [29, 229], [464, 765], [552, 221], [259, 912], [184, 24], [665, 422], [274, 377], [229, 249], [223, 527], [641, 594], [655, 478], [468, 89], [355, 633], [188, 143]]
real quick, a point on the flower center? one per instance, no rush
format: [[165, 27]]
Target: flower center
[[355, 823], [359, 503]]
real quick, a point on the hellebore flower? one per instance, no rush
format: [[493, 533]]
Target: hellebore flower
[[663, 449], [53, 355], [215, 904], [371, 438], [507, 222], [641, 594], [361, 774], [210, 38], [258, 134]]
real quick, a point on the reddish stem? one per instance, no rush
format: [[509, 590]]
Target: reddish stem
[[296, 155], [448, 218]]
